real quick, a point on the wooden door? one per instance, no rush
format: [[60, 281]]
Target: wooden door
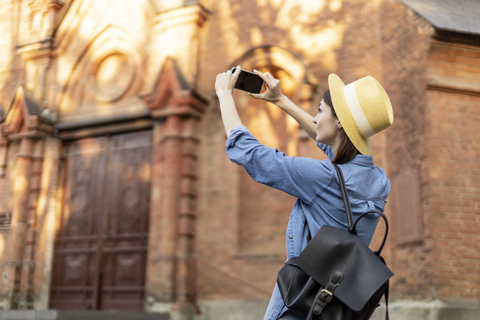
[[101, 245]]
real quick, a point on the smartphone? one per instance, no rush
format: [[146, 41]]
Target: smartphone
[[248, 81]]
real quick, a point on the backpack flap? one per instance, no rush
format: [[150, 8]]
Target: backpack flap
[[333, 250]]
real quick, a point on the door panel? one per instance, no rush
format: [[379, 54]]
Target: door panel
[[101, 245], [76, 246], [126, 227]]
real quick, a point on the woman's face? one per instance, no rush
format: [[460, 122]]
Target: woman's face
[[327, 126]]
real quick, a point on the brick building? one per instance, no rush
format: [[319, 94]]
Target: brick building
[[115, 190]]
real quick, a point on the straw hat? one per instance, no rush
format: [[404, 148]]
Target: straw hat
[[363, 108]]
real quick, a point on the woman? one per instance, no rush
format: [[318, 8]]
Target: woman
[[347, 117]]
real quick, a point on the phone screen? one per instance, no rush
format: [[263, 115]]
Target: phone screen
[[248, 81]]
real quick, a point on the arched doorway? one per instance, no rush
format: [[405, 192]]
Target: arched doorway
[[260, 206]]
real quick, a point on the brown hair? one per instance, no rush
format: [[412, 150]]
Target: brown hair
[[346, 150]]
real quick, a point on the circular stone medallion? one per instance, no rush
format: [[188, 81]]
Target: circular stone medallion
[[113, 77]]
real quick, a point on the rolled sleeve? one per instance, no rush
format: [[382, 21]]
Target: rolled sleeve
[[234, 133], [300, 177]]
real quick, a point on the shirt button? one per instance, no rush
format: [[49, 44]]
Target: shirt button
[[290, 237]]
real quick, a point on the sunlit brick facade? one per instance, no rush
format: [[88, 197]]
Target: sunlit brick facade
[[115, 189]]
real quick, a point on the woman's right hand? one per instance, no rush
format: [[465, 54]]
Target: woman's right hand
[[274, 92]]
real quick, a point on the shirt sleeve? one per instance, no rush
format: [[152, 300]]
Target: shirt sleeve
[[303, 178], [327, 150]]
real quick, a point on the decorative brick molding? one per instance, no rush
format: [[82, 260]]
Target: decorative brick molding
[[5, 220], [173, 95], [24, 118]]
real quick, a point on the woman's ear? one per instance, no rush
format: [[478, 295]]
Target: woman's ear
[[339, 125]]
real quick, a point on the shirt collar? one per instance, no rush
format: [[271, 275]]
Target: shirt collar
[[366, 161]]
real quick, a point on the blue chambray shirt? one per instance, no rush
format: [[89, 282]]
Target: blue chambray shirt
[[314, 183]]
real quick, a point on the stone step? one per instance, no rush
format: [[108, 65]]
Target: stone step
[[79, 315]]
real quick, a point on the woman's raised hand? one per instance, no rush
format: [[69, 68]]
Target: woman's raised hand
[[226, 81], [274, 92]]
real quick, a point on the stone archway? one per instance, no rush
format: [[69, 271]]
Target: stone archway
[[274, 128]]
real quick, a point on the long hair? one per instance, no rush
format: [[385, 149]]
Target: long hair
[[346, 150]]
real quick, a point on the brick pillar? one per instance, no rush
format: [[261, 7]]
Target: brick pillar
[[37, 52], [19, 225], [3, 155], [166, 184], [185, 20], [27, 282], [186, 214], [171, 264], [171, 261], [47, 209]]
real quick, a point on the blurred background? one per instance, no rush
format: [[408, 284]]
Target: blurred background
[[116, 194]]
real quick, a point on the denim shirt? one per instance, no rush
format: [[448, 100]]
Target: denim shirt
[[314, 183]]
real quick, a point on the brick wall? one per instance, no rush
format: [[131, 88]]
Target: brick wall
[[454, 175], [434, 87], [406, 41]]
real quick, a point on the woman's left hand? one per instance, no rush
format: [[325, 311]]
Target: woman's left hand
[[226, 81]]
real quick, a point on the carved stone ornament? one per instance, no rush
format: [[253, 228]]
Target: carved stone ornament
[[108, 72], [37, 5], [112, 76]]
